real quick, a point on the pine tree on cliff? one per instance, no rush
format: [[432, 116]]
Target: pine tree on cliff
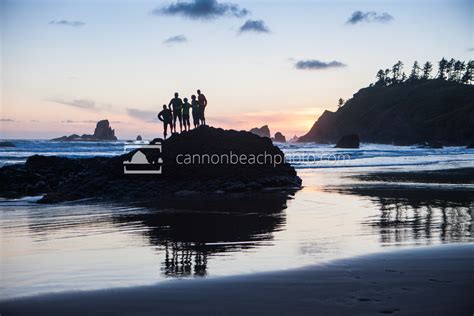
[[468, 76], [442, 67], [397, 72], [415, 71], [340, 102], [380, 78], [450, 73], [427, 68], [459, 67], [388, 80]]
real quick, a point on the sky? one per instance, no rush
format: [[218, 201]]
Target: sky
[[67, 64]]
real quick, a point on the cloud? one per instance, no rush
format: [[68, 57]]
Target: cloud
[[369, 17], [74, 122], [143, 115], [470, 49], [175, 39], [313, 64], [201, 9], [257, 26], [79, 103], [6, 120], [67, 23], [87, 122]]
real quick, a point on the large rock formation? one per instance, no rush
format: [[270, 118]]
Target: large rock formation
[[200, 161], [263, 131], [407, 113], [102, 131]]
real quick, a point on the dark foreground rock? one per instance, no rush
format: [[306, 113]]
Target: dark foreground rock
[[102, 131], [348, 141], [192, 163]]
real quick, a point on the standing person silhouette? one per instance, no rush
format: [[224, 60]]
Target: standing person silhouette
[[167, 118], [196, 111], [186, 106], [202, 105], [177, 105]]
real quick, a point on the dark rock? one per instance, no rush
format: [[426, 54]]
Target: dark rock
[[406, 113], [348, 141], [139, 137], [7, 144], [102, 131], [263, 131], [279, 137], [64, 179], [294, 139]]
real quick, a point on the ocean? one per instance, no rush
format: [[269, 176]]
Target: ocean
[[88, 245], [301, 156]]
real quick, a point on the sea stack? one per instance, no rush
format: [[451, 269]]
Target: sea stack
[[263, 131], [348, 141], [279, 137]]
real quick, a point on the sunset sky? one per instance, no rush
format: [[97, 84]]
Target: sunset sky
[[67, 64]]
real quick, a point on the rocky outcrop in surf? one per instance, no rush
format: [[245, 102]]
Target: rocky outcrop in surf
[[205, 160]]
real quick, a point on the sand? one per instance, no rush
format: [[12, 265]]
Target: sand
[[436, 280]]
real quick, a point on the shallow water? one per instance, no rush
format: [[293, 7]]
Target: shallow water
[[84, 245]]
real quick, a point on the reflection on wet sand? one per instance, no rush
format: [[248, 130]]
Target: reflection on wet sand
[[190, 231], [419, 215]]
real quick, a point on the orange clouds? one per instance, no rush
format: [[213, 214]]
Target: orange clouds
[[290, 122]]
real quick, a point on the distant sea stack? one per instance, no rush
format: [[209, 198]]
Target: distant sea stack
[[279, 137], [102, 131], [294, 139], [263, 131], [411, 112]]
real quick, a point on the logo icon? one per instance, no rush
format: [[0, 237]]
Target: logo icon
[[146, 160]]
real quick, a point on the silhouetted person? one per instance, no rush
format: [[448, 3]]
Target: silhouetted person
[[196, 111], [186, 106], [176, 105], [202, 105], [167, 118]]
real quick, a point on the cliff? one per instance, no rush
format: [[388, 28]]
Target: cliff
[[407, 113]]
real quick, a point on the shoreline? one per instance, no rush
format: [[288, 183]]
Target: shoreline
[[429, 280]]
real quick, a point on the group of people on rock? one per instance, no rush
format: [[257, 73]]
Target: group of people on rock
[[178, 110]]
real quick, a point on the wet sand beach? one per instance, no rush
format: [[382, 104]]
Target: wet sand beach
[[437, 280]]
